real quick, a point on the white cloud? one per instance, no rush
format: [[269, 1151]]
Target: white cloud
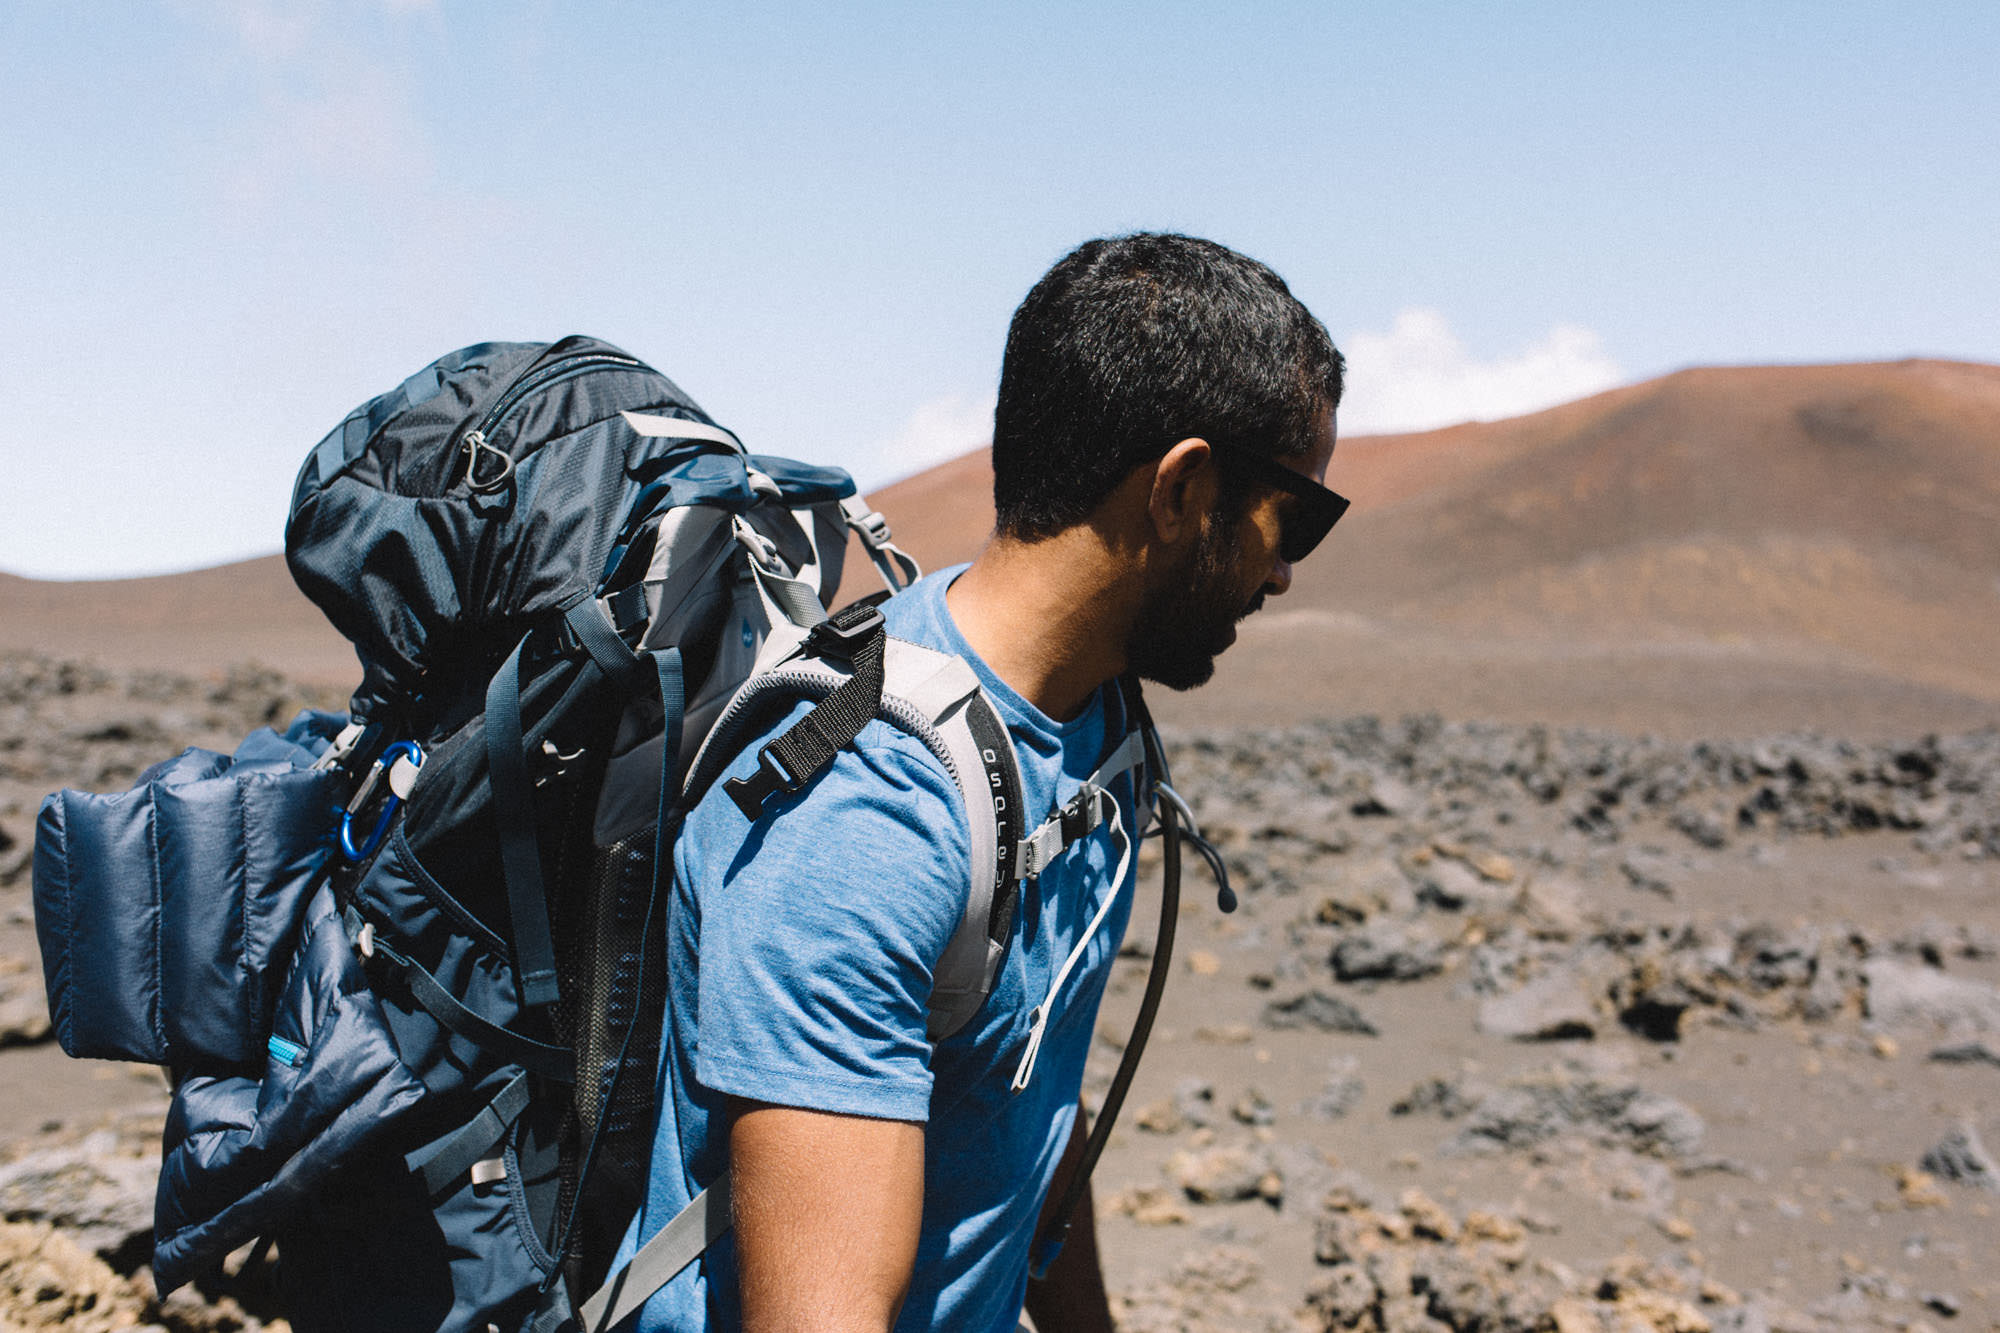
[[1418, 375], [937, 430], [320, 111]]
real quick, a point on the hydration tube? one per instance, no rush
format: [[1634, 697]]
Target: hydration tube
[[1054, 1230]]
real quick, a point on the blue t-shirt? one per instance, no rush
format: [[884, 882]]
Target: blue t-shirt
[[800, 952]]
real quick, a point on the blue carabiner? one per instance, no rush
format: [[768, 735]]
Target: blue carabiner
[[400, 750]]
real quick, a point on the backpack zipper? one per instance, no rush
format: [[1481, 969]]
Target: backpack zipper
[[477, 440]]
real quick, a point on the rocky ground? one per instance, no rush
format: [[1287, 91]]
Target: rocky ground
[[1515, 1029], [1520, 1029]]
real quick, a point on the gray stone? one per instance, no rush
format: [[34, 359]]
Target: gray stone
[[1961, 1158], [1454, 886], [1447, 1097], [1550, 1008], [103, 1196], [1319, 1011], [1905, 995], [1341, 1092], [1220, 1175], [1388, 796], [1706, 827], [24, 1009], [1749, 1317], [1561, 1103], [1194, 1101], [1556, 907], [1344, 1298], [1967, 1053], [1253, 1108], [1650, 869], [1387, 951], [1940, 1302]]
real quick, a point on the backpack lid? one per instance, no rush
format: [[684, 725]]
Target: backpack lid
[[442, 519]]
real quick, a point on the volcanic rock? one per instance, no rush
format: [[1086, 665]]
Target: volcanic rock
[[1550, 1008], [1388, 951], [1902, 995], [1317, 1010], [1959, 1156]]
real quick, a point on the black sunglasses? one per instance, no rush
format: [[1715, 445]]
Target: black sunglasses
[[1318, 509]]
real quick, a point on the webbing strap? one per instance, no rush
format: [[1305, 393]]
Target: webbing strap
[[1084, 813], [678, 428], [897, 568], [803, 752], [514, 819], [513, 801], [792, 598], [441, 1163], [590, 620], [537, 1057], [676, 1245]]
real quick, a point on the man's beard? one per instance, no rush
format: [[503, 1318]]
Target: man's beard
[[1183, 628]]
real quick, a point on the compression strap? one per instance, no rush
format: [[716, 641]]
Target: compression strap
[[676, 1245], [442, 1162]]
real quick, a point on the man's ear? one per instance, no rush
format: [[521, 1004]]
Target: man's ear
[[1184, 489]]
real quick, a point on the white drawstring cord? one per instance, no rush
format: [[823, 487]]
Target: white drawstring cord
[[1038, 1021]]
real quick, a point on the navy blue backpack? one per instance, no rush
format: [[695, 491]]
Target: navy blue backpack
[[404, 965]]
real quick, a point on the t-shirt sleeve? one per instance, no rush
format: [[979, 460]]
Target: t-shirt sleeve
[[821, 925]]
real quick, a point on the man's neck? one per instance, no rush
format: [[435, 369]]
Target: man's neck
[[1046, 617]]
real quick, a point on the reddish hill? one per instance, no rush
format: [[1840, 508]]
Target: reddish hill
[[196, 622], [1733, 549], [1811, 545]]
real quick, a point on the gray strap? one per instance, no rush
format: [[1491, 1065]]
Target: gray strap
[[785, 597], [1085, 811], [441, 1163], [897, 568], [679, 428], [660, 1260]]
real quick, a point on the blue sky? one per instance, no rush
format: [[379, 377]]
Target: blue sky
[[224, 224]]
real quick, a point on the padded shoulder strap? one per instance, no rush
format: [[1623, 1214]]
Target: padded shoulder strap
[[989, 783], [936, 698]]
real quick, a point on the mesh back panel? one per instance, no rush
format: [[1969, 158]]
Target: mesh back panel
[[606, 939]]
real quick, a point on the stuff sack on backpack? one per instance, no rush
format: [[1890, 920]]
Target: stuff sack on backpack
[[244, 1152], [167, 913]]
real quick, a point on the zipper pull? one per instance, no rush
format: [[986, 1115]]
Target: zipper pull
[[475, 444]]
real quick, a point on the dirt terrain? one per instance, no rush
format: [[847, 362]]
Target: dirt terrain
[[1615, 810]]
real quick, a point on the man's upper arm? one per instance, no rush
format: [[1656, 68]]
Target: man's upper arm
[[827, 1211], [820, 926]]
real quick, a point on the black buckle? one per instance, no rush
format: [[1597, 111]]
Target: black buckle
[[770, 778], [628, 608], [1082, 814], [841, 635]]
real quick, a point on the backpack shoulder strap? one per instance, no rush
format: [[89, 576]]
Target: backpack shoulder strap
[[935, 697]]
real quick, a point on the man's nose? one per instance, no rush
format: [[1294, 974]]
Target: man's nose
[[1280, 580]]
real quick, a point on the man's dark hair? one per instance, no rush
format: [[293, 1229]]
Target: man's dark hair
[[1131, 343]]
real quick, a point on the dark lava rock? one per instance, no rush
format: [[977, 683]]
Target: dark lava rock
[[1387, 951], [1960, 1157], [1561, 1103], [1553, 1007], [1967, 1053], [1317, 1010], [1446, 1097]]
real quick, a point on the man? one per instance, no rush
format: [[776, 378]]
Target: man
[[1166, 411]]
